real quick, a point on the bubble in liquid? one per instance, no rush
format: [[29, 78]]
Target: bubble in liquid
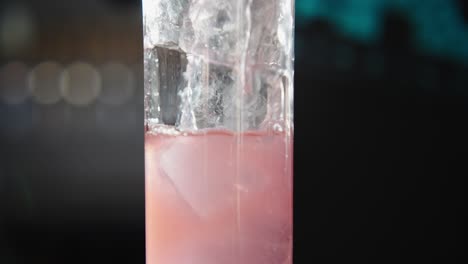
[[277, 128]]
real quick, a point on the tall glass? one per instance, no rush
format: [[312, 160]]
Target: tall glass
[[219, 131]]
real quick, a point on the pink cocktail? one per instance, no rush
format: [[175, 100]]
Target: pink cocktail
[[219, 83], [218, 197]]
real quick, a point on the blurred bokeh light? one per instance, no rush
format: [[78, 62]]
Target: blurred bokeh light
[[13, 85], [80, 84], [71, 122], [44, 82], [118, 83], [17, 29]]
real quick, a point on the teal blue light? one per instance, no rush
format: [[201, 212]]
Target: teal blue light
[[306, 10], [362, 27], [438, 25]]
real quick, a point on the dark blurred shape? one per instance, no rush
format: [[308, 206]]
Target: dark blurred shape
[[396, 32], [17, 29], [71, 132], [318, 26], [463, 5], [118, 83], [317, 37], [124, 3], [13, 83], [378, 146]]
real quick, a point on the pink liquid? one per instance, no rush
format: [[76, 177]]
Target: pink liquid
[[219, 198]]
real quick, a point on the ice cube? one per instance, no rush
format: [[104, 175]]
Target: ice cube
[[231, 46], [162, 22], [201, 171]]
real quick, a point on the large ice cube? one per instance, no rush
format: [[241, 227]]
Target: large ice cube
[[239, 61], [210, 170], [206, 187]]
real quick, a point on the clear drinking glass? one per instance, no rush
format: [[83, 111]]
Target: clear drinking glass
[[219, 131]]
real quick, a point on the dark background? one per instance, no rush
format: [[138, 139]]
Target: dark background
[[381, 90]]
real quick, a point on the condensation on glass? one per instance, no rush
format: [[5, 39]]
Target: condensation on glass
[[219, 131]]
